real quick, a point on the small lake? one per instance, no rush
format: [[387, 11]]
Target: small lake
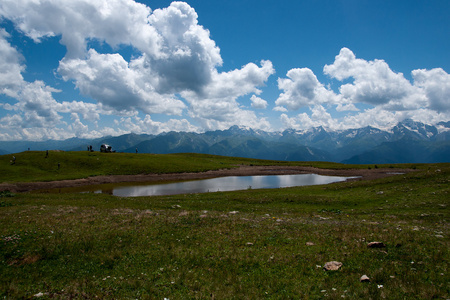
[[222, 184]]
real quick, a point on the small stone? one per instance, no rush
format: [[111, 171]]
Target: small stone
[[364, 278], [310, 244], [376, 245], [40, 294], [332, 266], [233, 212], [249, 244]]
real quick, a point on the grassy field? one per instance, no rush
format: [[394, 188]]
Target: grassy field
[[34, 166], [253, 244]]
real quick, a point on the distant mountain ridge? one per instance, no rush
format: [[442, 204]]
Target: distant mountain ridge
[[408, 141]]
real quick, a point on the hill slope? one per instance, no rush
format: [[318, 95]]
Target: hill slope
[[404, 151]]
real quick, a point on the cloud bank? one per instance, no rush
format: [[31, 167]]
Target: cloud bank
[[390, 95], [174, 71]]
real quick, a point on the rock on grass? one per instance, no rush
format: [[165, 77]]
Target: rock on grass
[[332, 266], [376, 245]]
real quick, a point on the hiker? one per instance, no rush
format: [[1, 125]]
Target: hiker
[[59, 165], [46, 154], [13, 160], [136, 151]]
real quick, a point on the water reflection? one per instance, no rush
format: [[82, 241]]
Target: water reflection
[[231, 183]]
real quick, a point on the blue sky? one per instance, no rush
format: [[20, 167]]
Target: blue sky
[[84, 68]]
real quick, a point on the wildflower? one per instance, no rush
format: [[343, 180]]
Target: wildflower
[[380, 286]]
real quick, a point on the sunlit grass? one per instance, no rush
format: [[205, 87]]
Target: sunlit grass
[[35, 166], [248, 244]]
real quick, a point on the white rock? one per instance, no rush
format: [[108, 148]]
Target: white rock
[[364, 278], [40, 294], [376, 245], [332, 266]]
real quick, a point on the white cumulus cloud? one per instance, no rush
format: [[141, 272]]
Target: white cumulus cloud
[[390, 96], [113, 21], [302, 88], [319, 117], [258, 102], [216, 107], [436, 85], [373, 83], [147, 125], [10, 67], [110, 80]]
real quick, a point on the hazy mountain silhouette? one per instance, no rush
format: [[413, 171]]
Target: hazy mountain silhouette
[[406, 142]]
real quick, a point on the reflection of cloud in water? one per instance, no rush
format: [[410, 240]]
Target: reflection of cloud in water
[[231, 183]]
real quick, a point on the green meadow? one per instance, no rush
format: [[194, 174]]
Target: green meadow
[[252, 244], [35, 166]]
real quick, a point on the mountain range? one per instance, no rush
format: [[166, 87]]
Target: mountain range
[[406, 142]]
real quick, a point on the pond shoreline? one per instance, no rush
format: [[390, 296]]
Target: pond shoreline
[[363, 174]]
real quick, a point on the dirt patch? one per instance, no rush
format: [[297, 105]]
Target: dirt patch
[[26, 260], [364, 174]]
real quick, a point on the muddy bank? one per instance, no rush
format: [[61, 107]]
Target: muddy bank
[[364, 174]]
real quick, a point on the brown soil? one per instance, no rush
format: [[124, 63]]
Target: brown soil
[[363, 174]]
